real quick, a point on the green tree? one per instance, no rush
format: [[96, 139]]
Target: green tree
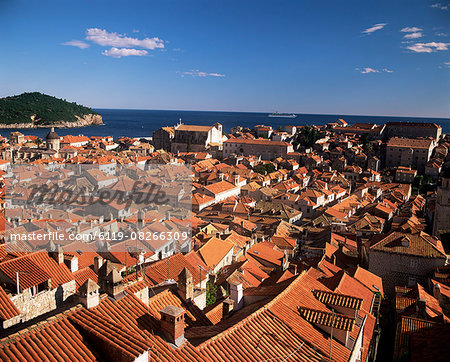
[[308, 136], [43, 108], [263, 168], [211, 293]]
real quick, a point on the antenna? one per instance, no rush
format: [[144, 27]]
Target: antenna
[[331, 339]]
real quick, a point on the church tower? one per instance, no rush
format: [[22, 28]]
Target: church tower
[[53, 141]]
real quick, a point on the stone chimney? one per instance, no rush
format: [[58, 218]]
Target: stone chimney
[[186, 285], [110, 280], [172, 324], [71, 262], [58, 254], [141, 218], [98, 262], [235, 178], [437, 291], [227, 308], [114, 285], [421, 307], [88, 293], [236, 295]]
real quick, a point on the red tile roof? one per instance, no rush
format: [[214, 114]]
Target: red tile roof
[[420, 244], [53, 341], [8, 309]]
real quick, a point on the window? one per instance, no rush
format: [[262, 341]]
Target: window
[[411, 281], [414, 263]]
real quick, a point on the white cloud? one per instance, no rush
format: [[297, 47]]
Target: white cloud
[[447, 64], [440, 6], [441, 34], [197, 73], [411, 29], [374, 28], [413, 35], [428, 47], [368, 70], [102, 37], [77, 43], [124, 52]]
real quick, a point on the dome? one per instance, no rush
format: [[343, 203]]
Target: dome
[[52, 135]]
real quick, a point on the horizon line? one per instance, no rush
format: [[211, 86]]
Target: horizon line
[[260, 112]]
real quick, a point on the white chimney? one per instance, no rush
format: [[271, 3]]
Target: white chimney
[[236, 295]]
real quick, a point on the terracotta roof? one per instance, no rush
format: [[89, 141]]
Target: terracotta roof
[[265, 251], [220, 187], [370, 280], [409, 325], [337, 299], [214, 251], [53, 341], [420, 244], [193, 128], [260, 142], [409, 142], [170, 268], [193, 317], [110, 336], [430, 344], [8, 309], [82, 275], [413, 124], [327, 319]]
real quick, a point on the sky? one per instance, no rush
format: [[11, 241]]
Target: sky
[[304, 56]]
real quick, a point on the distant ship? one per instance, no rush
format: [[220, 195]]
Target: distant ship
[[284, 115]]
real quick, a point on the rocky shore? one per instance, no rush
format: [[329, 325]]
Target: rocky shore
[[86, 120]]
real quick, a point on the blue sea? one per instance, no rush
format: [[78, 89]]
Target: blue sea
[[142, 123]]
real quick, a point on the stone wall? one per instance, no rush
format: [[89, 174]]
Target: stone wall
[[397, 269], [43, 302]]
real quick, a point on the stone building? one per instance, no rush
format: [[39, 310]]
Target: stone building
[[53, 140], [16, 138], [403, 259], [191, 138], [409, 152], [412, 130], [442, 210], [163, 137], [267, 149]]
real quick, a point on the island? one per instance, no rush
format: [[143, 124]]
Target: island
[[37, 110]]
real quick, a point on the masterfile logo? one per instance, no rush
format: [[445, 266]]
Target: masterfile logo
[[98, 208]]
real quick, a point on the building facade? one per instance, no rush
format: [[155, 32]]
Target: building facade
[[267, 149], [190, 138], [412, 130], [409, 152], [442, 211]]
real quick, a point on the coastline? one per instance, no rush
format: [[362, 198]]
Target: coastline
[[85, 121]]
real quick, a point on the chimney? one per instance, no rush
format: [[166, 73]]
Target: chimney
[[236, 295], [186, 285], [114, 285], [236, 179], [172, 324], [88, 294], [437, 291], [227, 308], [141, 218], [98, 262], [421, 306], [58, 254], [73, 264]]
